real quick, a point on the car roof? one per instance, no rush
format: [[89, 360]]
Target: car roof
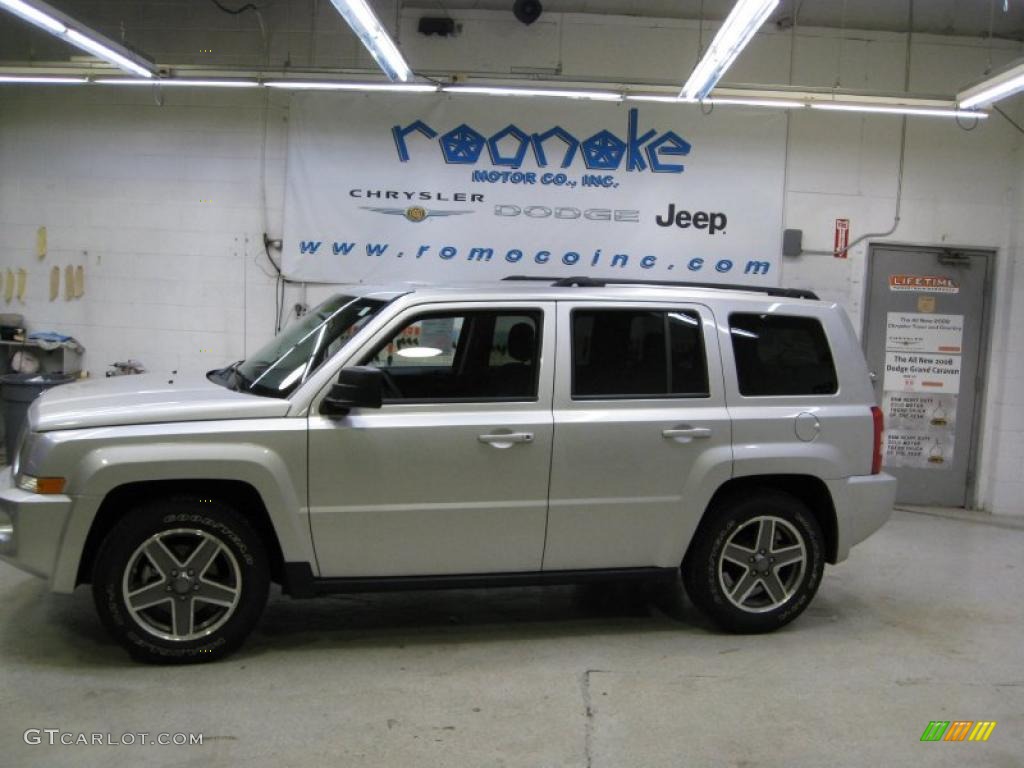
[[578, 289]]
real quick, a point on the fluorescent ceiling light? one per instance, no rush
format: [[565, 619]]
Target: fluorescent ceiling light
[[930, 109], [898, 110], [54, 22], [736, 31], [658, 98], [42, 80], [375, 38], [512, 91], [728, 100], [777, 103], [34, 16], [998, 87], [315, 85], [98, 49], [179, 82]]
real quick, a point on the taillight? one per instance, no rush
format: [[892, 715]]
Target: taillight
[[876, 455]]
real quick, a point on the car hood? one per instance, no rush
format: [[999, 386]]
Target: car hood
[[145, 399]]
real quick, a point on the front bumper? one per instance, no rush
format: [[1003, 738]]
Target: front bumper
[[863, 505], [31, 527]]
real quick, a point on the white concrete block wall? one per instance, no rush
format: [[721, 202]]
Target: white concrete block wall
[[1004, 424], [182, 284], [162, 207]]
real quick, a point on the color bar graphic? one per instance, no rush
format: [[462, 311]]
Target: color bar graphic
[[982, 730], [935, 730], [958, 730]]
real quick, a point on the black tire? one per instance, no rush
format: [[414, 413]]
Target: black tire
[[764, 596], [224, 598]]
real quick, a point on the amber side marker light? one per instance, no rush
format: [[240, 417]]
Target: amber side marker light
[[41, 485], [50, 485]]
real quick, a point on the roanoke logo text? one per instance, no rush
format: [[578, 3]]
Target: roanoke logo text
[[605, 150]]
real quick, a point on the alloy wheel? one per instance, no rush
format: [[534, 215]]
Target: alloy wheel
[[762, 564], [182, 584]]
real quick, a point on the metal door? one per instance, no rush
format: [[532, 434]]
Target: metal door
[[925, 335]]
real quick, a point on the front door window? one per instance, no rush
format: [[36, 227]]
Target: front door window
[[462, 356]]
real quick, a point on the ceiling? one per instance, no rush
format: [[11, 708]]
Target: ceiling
[[947, 17], [310, 34]]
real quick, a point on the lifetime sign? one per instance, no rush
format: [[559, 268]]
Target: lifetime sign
[[923, 283]]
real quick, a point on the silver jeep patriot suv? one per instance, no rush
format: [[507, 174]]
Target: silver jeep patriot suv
[[520, 432]]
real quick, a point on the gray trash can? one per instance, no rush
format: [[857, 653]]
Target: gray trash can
[[18, 392]]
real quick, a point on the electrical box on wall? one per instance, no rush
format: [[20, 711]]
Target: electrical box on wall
[[792, 242]]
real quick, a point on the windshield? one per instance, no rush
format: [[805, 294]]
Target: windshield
[[289, 358]]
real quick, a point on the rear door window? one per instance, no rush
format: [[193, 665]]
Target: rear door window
[[637, 353]]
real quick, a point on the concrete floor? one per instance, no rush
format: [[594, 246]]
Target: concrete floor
[[923, 623]]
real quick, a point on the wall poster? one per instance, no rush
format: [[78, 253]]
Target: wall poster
[[921, 385]]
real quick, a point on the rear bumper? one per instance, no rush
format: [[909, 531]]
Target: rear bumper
[[31, 527], [863, 505]]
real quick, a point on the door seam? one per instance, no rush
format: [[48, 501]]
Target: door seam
[[551, 453]]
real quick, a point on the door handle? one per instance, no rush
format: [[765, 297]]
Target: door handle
[[507, 439], [691, 432]]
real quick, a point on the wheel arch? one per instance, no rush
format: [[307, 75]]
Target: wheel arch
[[241, 496], [808, 489]]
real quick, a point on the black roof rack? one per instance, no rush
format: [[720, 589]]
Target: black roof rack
[[601, 282]]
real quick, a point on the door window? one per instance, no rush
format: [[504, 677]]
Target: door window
[[633, 353], [781, 355], [462, 356]]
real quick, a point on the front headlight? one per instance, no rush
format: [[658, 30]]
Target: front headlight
[[31, 483]]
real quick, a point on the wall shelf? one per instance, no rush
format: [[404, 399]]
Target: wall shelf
[[59, 360]]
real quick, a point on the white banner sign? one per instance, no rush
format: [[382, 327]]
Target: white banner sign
[[924, 332], [439, 188], [922, 380], [920, 430], [922, 373]]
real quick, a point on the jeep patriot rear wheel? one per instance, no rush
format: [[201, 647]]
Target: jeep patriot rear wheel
[[756, 562]]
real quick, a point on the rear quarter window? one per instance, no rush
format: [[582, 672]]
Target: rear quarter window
[[781, 355]]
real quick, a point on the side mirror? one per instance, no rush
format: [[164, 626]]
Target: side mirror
[[357, 387]]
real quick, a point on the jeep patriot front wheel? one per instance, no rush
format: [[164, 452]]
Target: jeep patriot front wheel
[[181, 581]]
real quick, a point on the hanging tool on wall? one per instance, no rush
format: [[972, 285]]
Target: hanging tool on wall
[[54, 283], [126, 368]]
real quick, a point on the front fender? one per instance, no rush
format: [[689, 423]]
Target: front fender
[[275, 467]]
